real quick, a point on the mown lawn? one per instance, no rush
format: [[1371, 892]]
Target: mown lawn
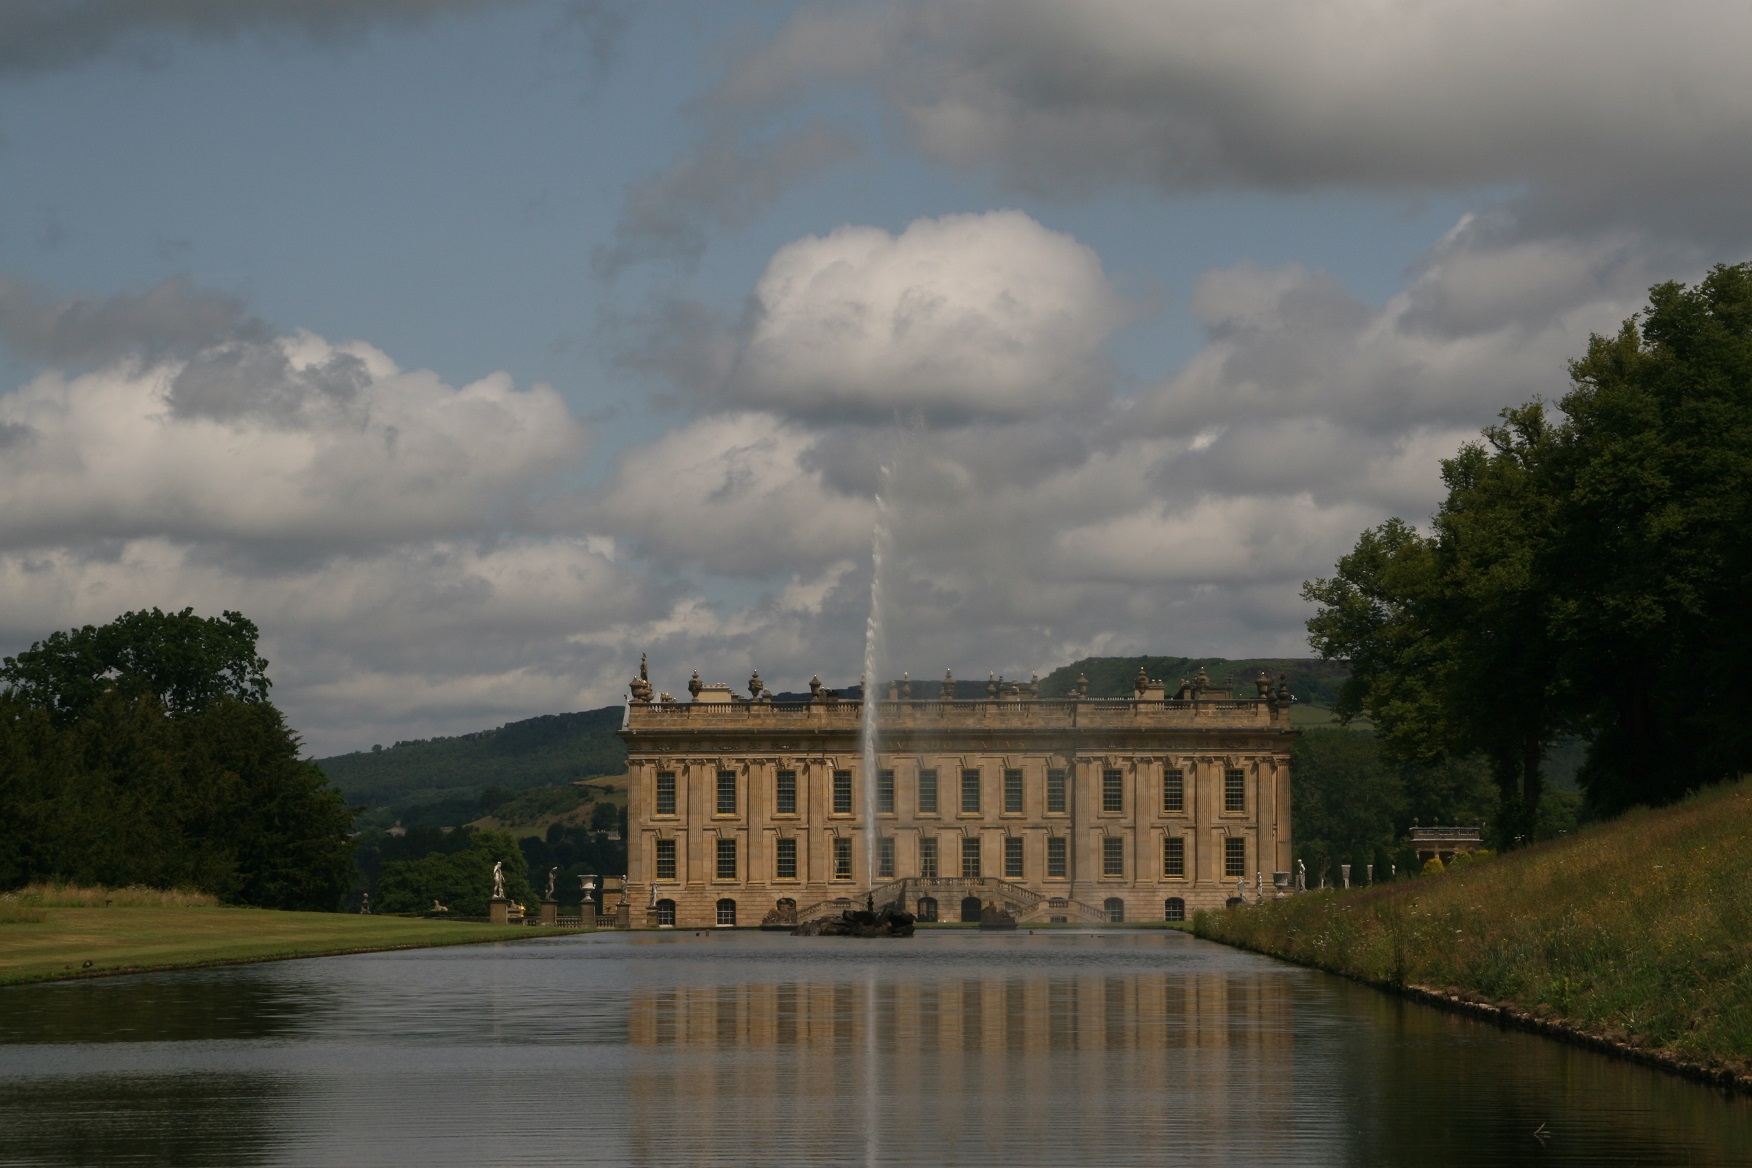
[[41, 943], [1638, 930]]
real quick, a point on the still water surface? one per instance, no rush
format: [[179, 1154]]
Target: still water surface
[[747, 1048]]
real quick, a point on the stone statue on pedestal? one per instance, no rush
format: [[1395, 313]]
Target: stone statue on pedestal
[[498, 880]]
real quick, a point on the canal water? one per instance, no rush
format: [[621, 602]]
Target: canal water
[[1123, 1047]]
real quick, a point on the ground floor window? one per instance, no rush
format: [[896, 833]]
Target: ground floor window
[[1174, 909], [842, 858], [1235, 856], [1112, 856], [666, 859], [885, 857], [726, 859], [928, 859], [1174, 856], [1115, 909], [970, 855], [787, 859], [927, 908], [726, 911], [1013, 857], [666, 914], [1055, 855]]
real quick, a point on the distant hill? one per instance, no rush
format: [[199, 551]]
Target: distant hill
[[538, 752], [1311, 680]]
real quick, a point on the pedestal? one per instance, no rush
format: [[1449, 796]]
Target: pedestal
[[499, 910], [550, 911], [587, 914]]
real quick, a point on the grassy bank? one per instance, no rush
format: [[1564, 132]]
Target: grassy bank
[[43, 937], [1635, 933]]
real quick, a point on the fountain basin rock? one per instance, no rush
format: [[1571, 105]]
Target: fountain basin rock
[[888, 921]]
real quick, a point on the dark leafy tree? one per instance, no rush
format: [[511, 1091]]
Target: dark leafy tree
[[184, 661], [105, 782], [1582, 577]]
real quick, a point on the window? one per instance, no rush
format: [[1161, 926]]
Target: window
[[1012, 792], [885, 792], [842, 858], [1114, 907], [1173, 856], [726, 859], [1055, 791], [928, 792], [1173, 790], [665, 792], [726, 792], [928, 858], [927, 909], [842, 792], [1013, 857], [1235, 856], [885, 857], [1234, 790], [1174, 909], [787, 859], [785, 794], [666, 914], [970, 855], [726, 913], [1055, 855], [1112, 789], [1112, 856], [666, 859], [970, 791]]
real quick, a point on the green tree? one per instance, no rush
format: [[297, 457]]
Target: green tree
[[184, 661], [105, 782], [461, 881], [1347, 801], [1581, 577]]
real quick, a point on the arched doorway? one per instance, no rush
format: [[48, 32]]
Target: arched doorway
[[927, 908], [1115, 909], [666, 914], [1174, 909], [970, 910]]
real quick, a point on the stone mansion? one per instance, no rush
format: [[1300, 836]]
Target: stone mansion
[[1065, 808]]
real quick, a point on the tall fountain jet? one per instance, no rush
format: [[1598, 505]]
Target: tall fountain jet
[[871, 697]]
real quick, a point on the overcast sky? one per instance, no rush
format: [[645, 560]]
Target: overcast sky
[[472, 347]]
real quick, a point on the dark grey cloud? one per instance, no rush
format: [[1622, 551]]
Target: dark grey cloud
[[42, 35], [258, 380], [171, 319], [725, 182]]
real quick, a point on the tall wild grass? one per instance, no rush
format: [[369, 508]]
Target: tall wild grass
[[1638, 930], [40, 896]]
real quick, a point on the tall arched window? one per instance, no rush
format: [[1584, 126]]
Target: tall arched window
[[1115, 909], [726, 912], [1174, 909], [666, 914]]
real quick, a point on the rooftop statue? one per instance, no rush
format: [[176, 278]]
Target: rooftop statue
[[641, 685], [948, 686]]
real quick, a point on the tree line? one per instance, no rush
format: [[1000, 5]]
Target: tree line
[[145, 751], [1585, 576]]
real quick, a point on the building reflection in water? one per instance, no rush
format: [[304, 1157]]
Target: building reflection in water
[[991, 1060]]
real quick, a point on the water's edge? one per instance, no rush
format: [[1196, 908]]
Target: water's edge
[[1508, 1017]]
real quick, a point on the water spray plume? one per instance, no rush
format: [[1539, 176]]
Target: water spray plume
[[872, 671]]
